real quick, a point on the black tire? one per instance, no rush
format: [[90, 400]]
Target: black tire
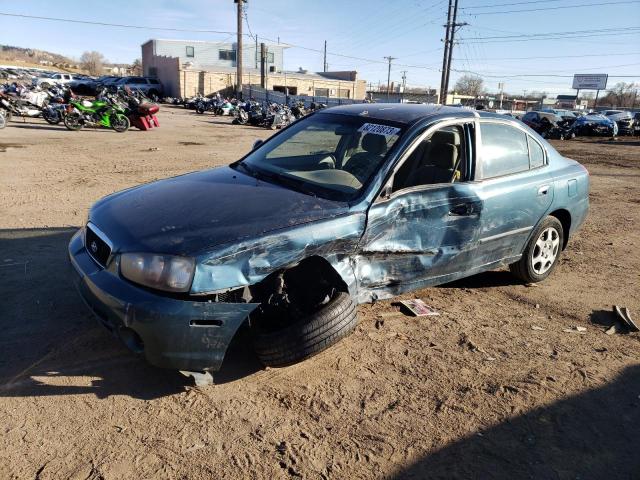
[[73, 121], [3, 121], [308, 336], [524, 268], [120, 123], [51, 119]]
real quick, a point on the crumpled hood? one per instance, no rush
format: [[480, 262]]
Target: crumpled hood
[[187, 214]]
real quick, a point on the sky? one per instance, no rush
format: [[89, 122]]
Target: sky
[[529, 45]]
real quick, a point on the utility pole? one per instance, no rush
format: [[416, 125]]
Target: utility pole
[[256, 53], [452, 16], [452, 34], [445, 55], [404, 84], [239, 49], [325, 57], [389, 75], [263, 67]]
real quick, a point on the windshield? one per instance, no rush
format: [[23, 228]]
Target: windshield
[[329, 155]]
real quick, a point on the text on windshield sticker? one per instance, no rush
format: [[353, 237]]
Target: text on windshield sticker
[[378, 129]]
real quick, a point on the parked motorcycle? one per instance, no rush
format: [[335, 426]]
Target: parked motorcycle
[[102, 112], [140, 111], [298, 110], [17, 106], [55, 110]]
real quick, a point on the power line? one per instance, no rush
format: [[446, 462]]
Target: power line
[[551, 37], [564, 56], [570, 32], [600, 4], [105, 24], [509, 4]]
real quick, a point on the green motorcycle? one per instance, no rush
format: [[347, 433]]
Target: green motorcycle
[[102, 112]]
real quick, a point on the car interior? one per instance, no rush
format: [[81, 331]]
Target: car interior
[[437, 159]]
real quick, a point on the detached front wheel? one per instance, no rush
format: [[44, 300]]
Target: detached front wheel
[[307, 336], [542, 253]]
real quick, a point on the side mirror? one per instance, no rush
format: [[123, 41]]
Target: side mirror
[[257, 143]]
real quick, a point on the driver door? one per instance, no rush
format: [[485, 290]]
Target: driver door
[[424, 228]]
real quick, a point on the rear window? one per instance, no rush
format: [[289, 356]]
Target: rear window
[[536, 153]]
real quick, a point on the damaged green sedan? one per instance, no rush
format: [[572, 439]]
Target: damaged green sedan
[[348, 205]]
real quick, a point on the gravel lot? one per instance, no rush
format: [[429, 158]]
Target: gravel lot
[[493, 388]]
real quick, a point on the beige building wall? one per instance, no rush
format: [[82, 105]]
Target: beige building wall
[[191, 82]]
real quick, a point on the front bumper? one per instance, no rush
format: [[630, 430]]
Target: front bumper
[[177, 334]]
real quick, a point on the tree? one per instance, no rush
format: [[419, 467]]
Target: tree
[[623, 93], [136, 67], [92, 62], [470, 85]]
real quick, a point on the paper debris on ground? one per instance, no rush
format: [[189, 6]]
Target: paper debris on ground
[[581, 330], [418, 308]]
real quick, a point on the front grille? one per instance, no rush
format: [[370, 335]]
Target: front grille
[[97, 247]]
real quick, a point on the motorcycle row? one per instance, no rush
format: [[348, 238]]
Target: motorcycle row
[[252, 112], [113, 108]]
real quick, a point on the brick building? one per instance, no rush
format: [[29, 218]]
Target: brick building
[[189, 67]]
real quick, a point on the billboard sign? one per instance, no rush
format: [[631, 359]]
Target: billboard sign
[[590, 82]]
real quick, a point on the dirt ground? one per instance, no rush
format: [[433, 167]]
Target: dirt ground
[[493, 388]]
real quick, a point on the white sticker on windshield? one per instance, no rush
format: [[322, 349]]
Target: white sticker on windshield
[[378, 129]]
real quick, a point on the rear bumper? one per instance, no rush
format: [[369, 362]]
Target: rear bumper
[[177, 334]]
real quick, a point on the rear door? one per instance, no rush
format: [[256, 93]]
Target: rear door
[[515, 187]]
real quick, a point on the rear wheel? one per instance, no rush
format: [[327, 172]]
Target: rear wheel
[[542, 252], [52, 118], [120, 123], [73, 121], [243, 117]]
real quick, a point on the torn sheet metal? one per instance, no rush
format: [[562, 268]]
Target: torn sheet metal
[[245, 263]]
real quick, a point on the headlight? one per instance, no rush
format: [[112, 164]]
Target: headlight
[[164, 272]]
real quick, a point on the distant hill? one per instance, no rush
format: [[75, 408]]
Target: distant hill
[[42, 58]]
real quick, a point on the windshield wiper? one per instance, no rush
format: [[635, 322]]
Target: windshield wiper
[[291, 182]]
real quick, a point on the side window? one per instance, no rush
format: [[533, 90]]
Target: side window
[[504, 150], [440, 158], [536, 154], [190, 52]]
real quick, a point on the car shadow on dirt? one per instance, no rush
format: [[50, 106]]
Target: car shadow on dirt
[[593, 435], [490, 279], [52, 345]]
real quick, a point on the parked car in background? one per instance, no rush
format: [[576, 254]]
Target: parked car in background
[[624, 120], [549, 124], [347, 205], [636, 123], [53, 79], [595, 124], [151, 87]]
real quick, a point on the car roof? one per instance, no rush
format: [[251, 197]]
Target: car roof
[[406, 113]]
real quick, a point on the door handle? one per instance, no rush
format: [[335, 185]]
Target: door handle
[[464, 209], [543, 190]]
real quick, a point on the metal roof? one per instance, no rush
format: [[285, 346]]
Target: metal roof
[[401, 112]]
